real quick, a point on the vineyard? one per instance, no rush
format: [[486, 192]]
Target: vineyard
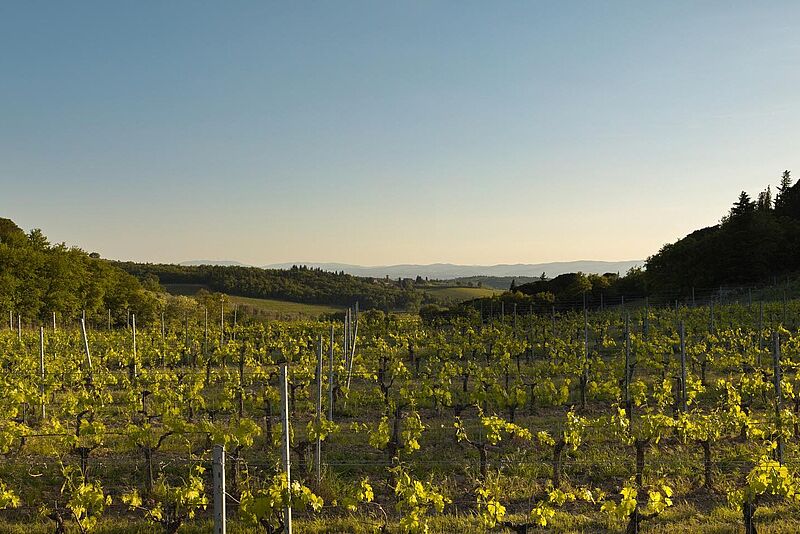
[[624, 419]]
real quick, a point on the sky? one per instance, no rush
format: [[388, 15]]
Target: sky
[[391, 132]]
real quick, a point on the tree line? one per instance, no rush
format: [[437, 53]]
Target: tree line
[[755, 242], [38, 278], [298, 284]]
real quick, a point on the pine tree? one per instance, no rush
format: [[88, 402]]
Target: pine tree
[[764, 202], [783, 191], [743, 206]]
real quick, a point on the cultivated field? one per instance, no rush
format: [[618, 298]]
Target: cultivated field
[[266, 308], [461, 294], [651, 419]]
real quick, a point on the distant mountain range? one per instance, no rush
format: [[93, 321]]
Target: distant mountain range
[[224, 263], [449, 271]]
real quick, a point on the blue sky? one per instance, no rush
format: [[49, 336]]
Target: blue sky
[[391, 132]]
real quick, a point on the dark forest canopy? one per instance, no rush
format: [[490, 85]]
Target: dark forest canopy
[[755, 241], [569, 288]]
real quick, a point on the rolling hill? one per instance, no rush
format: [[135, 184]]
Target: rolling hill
[[449, 271]]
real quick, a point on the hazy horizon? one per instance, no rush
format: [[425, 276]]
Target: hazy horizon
[[382, 134], [449, 271]]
